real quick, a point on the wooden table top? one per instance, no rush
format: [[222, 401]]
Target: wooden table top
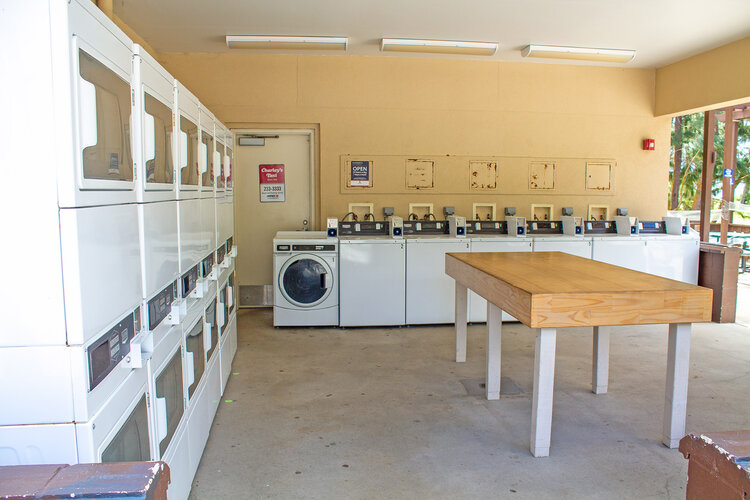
[[555, 289]]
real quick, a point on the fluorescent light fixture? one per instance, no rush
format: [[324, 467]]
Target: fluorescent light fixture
[[578, 53], [439, 46], [287, 42]]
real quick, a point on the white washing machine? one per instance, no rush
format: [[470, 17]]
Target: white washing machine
[[621, 250], [372, 278], [674, 256], [430, 293], [305, 279], [573, 245], [477, 306]]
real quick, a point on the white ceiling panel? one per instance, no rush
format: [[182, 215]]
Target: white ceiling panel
[[661, 31]]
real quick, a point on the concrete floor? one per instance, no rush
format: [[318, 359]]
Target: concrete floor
[[383, 413]]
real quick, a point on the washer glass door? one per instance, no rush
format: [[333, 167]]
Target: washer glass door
[[306, 280]]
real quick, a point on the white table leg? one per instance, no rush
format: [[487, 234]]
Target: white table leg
[[461, 314], [675, 400], [494, 351], [601, 360], [544, 382]]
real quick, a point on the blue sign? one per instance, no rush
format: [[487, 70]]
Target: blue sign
[[360, 173], [727, 172]]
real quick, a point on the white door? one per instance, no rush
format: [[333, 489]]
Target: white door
[[258, 220]]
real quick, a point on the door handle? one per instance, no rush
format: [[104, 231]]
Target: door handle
[[325, 280], [304, 224], [190, 362], [161, 418]]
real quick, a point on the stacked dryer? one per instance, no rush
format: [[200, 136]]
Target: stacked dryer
[[156, 147], [74, 387], [111, 351], [226, 251]]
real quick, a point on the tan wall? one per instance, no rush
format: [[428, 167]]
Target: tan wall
[[419, 106], [108, 9], [708, 80]]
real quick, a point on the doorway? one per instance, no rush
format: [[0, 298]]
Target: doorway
[[274, 191]]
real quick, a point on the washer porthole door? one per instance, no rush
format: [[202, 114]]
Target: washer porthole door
[[305, 280]]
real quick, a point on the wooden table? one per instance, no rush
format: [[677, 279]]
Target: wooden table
[[550, 290]]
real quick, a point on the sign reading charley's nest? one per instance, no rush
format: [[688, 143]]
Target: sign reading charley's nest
[[272, 183]]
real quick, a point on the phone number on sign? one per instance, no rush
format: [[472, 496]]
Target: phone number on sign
[[267, 189]]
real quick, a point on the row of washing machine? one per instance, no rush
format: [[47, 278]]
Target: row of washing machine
[[401, 281], [124, 218]]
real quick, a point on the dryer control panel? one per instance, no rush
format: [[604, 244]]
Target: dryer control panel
[[109, 349]]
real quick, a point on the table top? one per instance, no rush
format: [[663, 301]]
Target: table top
[[555, 289]]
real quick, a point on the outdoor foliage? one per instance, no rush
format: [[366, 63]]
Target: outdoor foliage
[[692, 161]]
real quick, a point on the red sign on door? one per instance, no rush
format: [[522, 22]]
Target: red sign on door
[[271, 182]]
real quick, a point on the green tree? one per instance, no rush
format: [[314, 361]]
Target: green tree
[[688, 140]]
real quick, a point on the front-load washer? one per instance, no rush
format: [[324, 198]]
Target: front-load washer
[[305, 279]]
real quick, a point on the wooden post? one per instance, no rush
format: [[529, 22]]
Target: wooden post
[[730, 159], [707, 177], [677, 171]]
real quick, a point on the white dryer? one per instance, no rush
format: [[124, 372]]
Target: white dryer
[[305, 279]]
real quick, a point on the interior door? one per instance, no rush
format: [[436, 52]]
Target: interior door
[[258, 221]]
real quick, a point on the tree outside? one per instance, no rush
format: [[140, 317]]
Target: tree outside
[[687, 151]]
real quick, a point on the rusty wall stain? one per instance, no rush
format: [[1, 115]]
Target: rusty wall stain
[[420, 174], [541, 175], [483, 175]]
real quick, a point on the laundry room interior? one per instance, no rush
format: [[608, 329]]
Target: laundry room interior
[[270, 251]]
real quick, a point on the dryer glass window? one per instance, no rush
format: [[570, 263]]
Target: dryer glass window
[[213, 327], [194, 344], [159, 168], [104, 104], [233, 291], [220, 180], [304, 281], [169, 389], [207, 179], [228, 170], [189, 170], [131, 443], [223, 304]]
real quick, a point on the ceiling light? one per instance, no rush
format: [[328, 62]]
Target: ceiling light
[[578, 53], [439, 46], [287, 42]]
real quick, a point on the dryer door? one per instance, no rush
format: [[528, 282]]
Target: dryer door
[[306, 280]]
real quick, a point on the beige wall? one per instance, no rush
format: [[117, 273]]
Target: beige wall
[[420, 106], [705, 81]]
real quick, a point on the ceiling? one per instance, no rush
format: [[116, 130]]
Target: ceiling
[[661, 31]]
